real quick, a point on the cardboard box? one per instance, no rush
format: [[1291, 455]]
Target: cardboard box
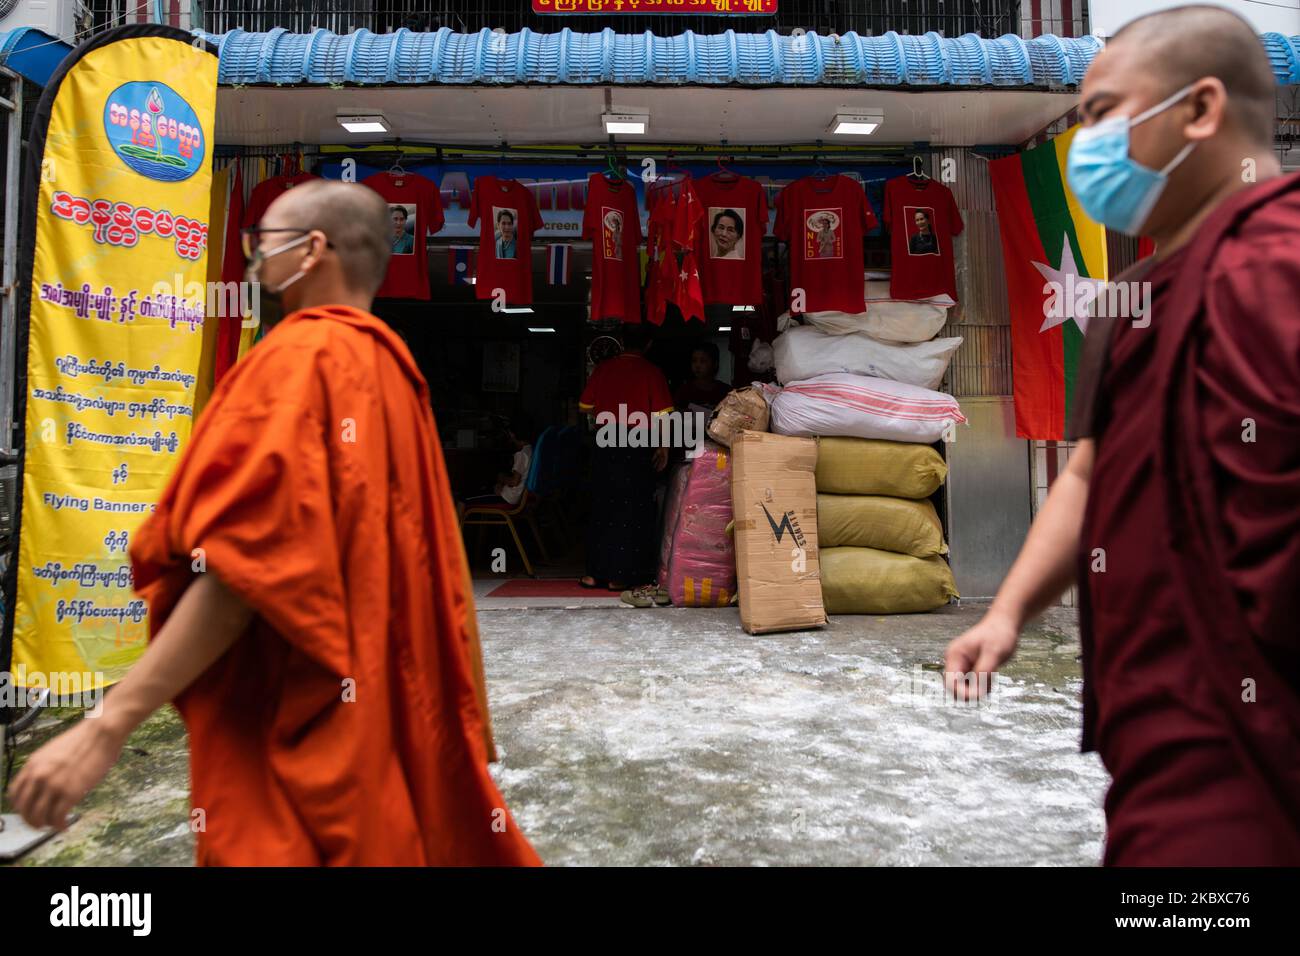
[[741, 409], [774, 496]]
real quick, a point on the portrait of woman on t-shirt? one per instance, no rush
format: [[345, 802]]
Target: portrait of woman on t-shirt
[[921, 240], [505, 220], [402, 216], [825, 228], [726, 233], [613, 223]]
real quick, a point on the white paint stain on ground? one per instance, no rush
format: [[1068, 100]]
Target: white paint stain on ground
[[671, 737]]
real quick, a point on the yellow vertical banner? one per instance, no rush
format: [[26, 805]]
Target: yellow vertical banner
[[110, 341]]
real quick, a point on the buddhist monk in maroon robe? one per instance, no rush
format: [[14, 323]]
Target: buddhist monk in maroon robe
[[308, 591], [1179, 513]]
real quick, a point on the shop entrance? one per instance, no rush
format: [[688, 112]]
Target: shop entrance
[[499, 375]]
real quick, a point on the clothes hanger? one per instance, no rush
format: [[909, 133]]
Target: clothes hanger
[[917, 172], [672, 177], [397, 169], [502, 182], [611, 169], [821, 172], [671, 166], [725, 175]]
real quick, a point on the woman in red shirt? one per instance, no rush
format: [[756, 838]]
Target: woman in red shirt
[[621, 527]]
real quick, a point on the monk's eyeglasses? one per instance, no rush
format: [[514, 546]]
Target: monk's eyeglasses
[[251, 241]]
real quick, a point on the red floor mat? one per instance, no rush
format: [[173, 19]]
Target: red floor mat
[[562, 588]]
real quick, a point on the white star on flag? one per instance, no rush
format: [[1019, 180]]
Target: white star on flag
[[1068, 282]]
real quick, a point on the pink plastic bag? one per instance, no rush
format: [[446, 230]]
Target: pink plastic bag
[[697, 563]]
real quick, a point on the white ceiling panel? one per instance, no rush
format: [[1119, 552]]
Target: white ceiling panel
[[530, 115]]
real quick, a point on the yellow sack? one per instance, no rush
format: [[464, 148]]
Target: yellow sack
[[869, 581], [868, 466], [874, 521]]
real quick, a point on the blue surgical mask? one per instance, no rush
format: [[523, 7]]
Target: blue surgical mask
[[1113, 188]]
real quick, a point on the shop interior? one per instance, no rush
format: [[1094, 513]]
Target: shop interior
[[486, 368], [492, 369]]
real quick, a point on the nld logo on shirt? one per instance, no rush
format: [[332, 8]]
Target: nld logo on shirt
[[102, 909]]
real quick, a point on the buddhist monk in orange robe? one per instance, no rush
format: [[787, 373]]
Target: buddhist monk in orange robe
[[309, 596], [1179, 513]]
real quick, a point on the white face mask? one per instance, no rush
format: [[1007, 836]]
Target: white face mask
[[255, 268]]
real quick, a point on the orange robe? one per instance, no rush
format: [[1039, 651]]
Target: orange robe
[[345, 727]]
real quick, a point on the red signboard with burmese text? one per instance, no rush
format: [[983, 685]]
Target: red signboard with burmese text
[[725, 7]]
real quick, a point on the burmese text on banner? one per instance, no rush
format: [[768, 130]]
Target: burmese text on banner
[[725, 7], [110, 334]]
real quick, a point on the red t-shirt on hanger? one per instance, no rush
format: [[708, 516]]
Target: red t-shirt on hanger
[[676, 226], [922, 218], [509, 215], [823, 220], [730, 252], [267, 191], [613, 224], [676, 213], [415, 209]]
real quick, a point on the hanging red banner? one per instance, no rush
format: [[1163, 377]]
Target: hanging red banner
[[723, 7]]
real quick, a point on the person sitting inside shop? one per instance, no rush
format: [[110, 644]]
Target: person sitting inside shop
[[703, 387], [509, 487], [621, 528]]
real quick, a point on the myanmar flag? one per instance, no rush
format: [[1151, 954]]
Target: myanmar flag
[[1052, 252]]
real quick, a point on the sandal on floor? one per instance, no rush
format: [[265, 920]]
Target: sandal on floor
[[593, 586], [639, 597]]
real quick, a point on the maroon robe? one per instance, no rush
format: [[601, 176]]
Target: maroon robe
[[1190, 643]]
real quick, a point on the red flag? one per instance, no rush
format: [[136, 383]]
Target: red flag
[[689, 217], [690, 294], [1050, 248], [660, 286]]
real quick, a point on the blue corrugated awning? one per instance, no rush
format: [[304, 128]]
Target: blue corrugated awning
[[754, 59], [32, 54]]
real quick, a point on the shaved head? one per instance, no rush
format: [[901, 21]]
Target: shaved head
[[1173, 48], [354, 217], [1192, 92]]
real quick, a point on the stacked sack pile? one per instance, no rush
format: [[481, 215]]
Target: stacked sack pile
[[881, 539], [864, 385], [893, 340]]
